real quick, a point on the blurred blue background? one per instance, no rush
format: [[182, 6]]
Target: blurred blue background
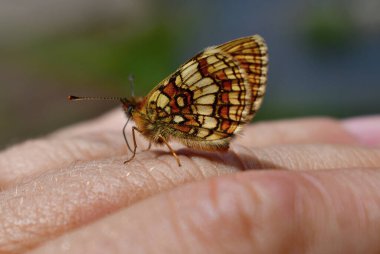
[[324, 55]]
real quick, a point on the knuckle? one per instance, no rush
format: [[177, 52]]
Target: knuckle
[[236, 215]]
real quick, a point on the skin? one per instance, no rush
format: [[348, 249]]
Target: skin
[[307, 185]]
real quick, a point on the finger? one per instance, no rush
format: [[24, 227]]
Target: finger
[[83, 192], [297, 131], [112, 121], [307, 157], [102, 138], [365, 129], [36, 156], [91, 140], [60, 200], [255, 212]]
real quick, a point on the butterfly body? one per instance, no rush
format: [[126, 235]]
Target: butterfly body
[[207, 100]]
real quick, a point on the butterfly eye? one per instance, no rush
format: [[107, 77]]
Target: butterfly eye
[[129, 111]]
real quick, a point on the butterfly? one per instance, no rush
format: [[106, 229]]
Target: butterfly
[[206, 101]]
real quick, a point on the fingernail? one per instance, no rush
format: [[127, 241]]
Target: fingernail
[[366, 129]]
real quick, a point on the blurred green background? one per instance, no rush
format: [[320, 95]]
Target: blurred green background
[[324, 55]]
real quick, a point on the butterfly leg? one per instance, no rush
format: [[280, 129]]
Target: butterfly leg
[[125, 136], [149, 146], [172, 151], [134, 129]]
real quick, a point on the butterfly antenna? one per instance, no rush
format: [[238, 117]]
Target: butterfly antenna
[[86, 98], [131, 79]]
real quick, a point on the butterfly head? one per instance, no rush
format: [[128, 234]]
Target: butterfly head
[[132, 104]]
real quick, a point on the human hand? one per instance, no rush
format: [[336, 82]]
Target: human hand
[[293, 186]]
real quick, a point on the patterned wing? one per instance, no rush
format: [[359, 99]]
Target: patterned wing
[[211, 96], [252, 55]]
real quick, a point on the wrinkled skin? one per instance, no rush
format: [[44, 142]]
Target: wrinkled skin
[[291, 186]]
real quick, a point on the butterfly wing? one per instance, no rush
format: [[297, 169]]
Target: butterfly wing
[[252, 55], [208, 99]]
